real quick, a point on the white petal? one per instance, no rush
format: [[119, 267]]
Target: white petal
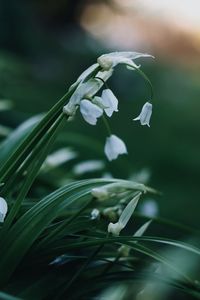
[[126, 61], [98, 101], [110, 101], [129, 54], [3, 209], [145, 115], [90, 111], [114, 146]]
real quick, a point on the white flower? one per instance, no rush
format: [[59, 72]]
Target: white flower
[[107, 61], [95, 214], [109, 101], [101, 193], [90, 111], [149, 208], [88, 166], [145, 115], [114, 146], [3, 209], [88, 89], [115, 228], [107, 191], [59, 157]]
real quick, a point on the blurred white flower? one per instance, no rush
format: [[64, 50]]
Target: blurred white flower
[[145, 115], [114, 147], [149, 208], [109, 101], [90, 111], [3, 209], [88, 166], [107, 61], [125, 216], [95, 214], [101, 193], [5, 104], [59, 157]]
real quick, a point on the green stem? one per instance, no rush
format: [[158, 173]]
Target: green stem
[[140, 72], [105, 121]]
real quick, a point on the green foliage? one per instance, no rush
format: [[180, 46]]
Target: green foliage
[[52, 248]]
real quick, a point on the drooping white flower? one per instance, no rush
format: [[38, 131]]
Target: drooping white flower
[[115, 228], [90, 111], [109, 101], [110, 60], [3, 209], [145, 115], [114, 147]]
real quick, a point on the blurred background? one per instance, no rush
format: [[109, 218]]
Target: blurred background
[[45, 45]]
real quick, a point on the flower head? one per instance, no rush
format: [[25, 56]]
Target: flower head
[[145, 115], [114, 147], [90, 111], [125, 216], [3, 209], [108, 61]]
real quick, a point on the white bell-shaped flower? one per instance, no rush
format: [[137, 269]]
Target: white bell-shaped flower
[[115, 228], [107, 61], [3, 209], [90, 111], [109, 101], [145, 115], [114, 147]]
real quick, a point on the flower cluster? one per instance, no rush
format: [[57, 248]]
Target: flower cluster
[[92, 107]]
